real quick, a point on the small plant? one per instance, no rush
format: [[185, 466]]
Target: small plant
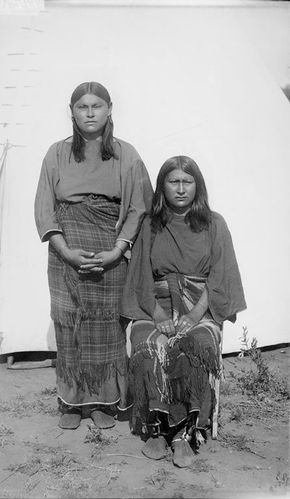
[[96, 436], [282, 483], [48, 392], [283, 480], [263, 380]]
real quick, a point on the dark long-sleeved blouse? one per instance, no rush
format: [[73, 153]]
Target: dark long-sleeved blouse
[[208, 254], [124, 178]]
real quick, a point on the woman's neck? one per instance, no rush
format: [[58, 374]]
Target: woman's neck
[[92, 139]]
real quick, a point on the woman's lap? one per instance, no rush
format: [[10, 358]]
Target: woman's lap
[[173, 380]]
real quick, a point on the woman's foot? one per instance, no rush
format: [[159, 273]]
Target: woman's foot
[[155, 448], [183, 455], [70, 420], [102, 420]]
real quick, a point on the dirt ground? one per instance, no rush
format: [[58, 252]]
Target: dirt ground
[[250, 458]]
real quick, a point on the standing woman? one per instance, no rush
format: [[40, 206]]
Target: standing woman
[[183, 283], [92, 195]]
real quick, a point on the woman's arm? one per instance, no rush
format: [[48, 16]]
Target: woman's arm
[[105, 258], [187, 321], [136, 201], [74, 257], [198, 311], [137, 194], [44, 204], [163, 323]]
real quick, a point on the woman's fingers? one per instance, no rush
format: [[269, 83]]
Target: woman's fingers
[[184, 324], [87, 254], [166, 327], [96, 270], [87, 266]]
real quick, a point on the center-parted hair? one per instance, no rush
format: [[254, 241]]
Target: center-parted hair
[[199, 215], [78, 143]]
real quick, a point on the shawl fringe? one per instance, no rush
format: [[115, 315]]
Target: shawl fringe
[[71, 318], [93, 378]]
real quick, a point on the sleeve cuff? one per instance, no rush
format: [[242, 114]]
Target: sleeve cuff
[[126, 241], [45, 236]]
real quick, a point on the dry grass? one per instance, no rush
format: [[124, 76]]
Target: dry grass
[[239, 443], [159, 478], [58, 465], [99, 439], [48, 392], [19, 406], [5, 435], [201, 466]]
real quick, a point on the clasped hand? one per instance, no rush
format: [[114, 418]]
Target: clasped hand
[[87, 261], [167, 327], [185, 323]]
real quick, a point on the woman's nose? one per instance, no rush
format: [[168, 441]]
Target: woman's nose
[[180, 187], [90, 111]]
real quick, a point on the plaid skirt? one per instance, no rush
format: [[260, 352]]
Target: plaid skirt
[[172, 375], [91, 343]]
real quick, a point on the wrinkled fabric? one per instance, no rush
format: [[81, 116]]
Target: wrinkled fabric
[[208, 254], [173, 267], [63, 179], [172, 375], [91, 344]]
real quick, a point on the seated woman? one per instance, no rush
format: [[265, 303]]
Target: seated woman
[[183, 283]]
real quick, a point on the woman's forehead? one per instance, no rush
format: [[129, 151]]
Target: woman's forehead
[[90, 99], [179, 174]]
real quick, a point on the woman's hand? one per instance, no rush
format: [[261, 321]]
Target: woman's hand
[[166, 327], [78, 258], [74, 257], [163, 323], [185, 324], [101, 261]]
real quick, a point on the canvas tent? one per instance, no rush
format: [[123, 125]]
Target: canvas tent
[[187, 80]]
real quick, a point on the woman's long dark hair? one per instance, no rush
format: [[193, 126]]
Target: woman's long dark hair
[[199, 215], [78, 142]]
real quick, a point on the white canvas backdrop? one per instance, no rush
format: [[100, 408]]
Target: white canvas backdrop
[[183, 81]]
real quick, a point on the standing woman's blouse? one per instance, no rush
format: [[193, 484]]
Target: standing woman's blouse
[[123, 179]]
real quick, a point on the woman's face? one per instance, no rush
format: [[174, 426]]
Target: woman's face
[[91, 114], [179, 191]]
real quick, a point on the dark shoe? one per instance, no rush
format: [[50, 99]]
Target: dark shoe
[[102, 420], [70, 421], [155, 448]]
